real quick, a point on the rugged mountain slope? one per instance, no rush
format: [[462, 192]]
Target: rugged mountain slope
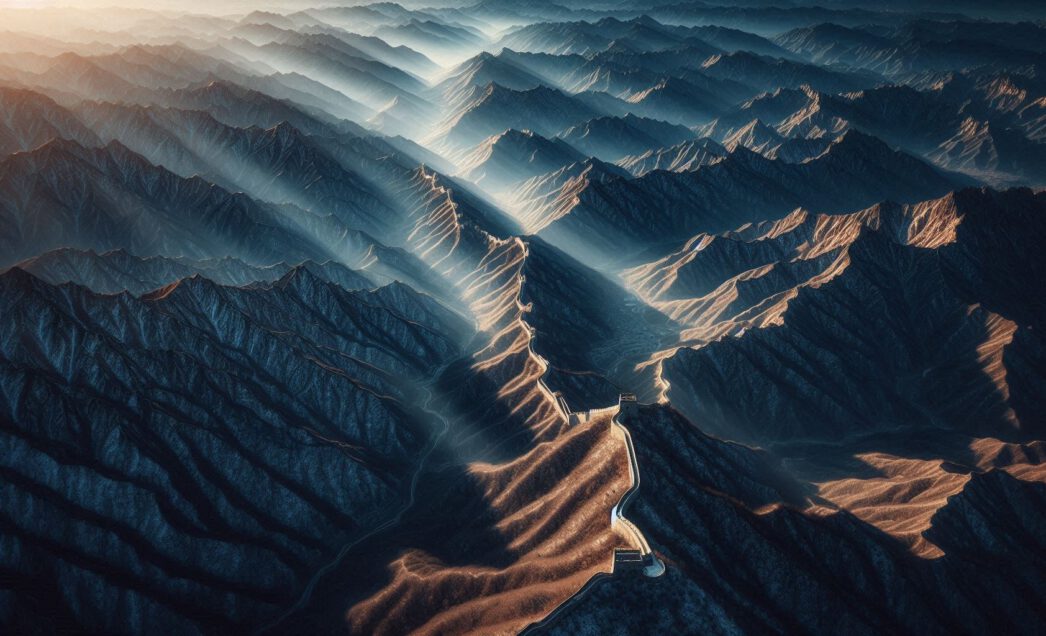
[[63, 194], [515, 156], [217, 482], [613, 78], [431, 36], [756, 136], [996, 154], [677, 101], [686, 156], [591, 331], [871, 276], [987, 128], [474, 532], [75, 76], [116, 271], [332, 62], [925, 279], [494, 109], [552, 69], [747, 553], [611, 219], [279, 165], [371, 47], [111, 198], [169, 66], [611, 138], [915, 47], [760, 138], [565, 37], [481, 71], [241, 107], [477, 536], [770, 74], [642, 33], [552, 193], [29, 120]]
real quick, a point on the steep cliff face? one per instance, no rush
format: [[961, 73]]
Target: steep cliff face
[[205, 447]]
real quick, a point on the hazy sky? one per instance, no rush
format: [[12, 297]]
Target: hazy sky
[[212, 6], [202, 6]]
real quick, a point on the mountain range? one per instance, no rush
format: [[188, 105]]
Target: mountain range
[[523, 317]]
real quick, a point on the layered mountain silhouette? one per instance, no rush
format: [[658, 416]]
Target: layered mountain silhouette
[[494, 108], [515, 156], [634, 215], [611, 138], [523, 317]]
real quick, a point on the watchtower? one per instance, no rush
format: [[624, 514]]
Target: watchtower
[[627, 406], [628, 561]]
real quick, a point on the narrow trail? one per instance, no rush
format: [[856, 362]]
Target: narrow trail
[[385, 525]]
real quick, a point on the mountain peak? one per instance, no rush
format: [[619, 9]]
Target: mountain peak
[[18, 280], [755, 135], [854, 140], [301, 279], [284, 132], [197, 287]]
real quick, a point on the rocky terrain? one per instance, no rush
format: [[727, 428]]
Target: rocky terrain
[[523, 317], [746, 551]]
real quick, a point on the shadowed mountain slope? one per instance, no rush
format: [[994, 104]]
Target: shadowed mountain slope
[[203, 428]]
